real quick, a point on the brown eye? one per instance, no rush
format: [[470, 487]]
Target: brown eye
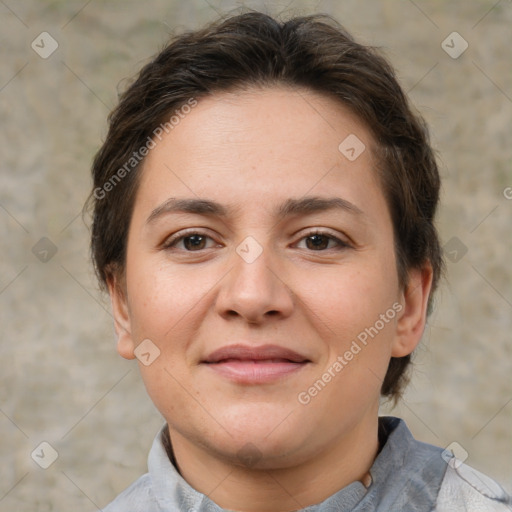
[[192, 242], [319, 241]]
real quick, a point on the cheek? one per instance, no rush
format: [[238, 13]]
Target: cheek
[[163, 299], [361, 314], [357, 296], [357, 315]]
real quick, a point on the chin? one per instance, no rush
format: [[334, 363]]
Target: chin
[[260, 421], [265, 455], [264, 442]]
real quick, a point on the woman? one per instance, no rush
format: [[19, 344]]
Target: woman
[[264, 209]]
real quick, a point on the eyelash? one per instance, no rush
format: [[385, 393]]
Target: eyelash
[[169, 243]]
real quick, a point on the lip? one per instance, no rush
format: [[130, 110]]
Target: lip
[[244, 364]]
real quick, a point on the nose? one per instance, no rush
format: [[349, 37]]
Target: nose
[[254, 289]]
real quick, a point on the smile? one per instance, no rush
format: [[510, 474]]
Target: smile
[[259, 371], [246, 364]]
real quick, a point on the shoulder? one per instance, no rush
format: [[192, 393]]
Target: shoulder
[[465, 489], [138, 497]]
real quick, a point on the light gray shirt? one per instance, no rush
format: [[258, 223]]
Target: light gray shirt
[[407, 475]]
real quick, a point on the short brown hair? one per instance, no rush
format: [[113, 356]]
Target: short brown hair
[[253, 49]]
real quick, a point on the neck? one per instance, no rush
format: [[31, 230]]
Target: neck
[[346, 460]]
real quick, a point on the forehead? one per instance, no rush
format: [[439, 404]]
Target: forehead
[[273, 116], [259, 144]]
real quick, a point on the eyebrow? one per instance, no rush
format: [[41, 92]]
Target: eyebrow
[[291, 207]]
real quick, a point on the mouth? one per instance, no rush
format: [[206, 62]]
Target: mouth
[[243, 364]]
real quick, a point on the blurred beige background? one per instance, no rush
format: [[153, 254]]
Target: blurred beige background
[[62, 381]]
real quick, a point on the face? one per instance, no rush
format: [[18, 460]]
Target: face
[[272, 310]]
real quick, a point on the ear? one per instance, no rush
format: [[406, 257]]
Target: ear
[[122, 323], [411, 323]]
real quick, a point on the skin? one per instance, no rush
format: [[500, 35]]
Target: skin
[[253, 150]]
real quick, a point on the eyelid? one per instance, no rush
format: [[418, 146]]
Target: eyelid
[[333, 236], [178, 236]]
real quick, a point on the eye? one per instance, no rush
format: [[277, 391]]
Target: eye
[[193, 241], [319, 241]]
